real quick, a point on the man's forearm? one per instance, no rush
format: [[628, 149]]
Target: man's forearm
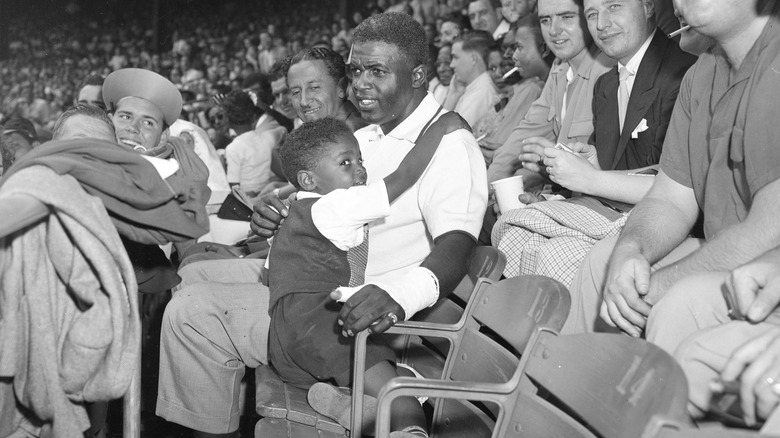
[[730, 249], [654, 229], [449, 259], [619, 186], [735, 245]]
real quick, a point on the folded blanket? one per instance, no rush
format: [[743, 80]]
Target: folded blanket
[[552, 238], [69, 322], [143, 207]]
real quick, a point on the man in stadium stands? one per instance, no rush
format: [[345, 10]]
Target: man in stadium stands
[[471, 92]]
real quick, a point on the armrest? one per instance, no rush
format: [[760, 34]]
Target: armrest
[[449, 332], [419, 328], [408, 386]]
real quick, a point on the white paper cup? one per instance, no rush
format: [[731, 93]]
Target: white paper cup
[[507, 190]]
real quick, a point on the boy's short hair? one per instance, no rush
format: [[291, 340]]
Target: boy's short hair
[[304, 147]]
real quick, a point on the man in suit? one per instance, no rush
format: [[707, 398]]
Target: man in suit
[[630, 115], [632, 105]]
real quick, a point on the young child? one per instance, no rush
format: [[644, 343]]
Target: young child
[[308, 258]]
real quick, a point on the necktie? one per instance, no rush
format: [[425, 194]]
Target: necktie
[[358, 258], [565, 103], [623, 94]]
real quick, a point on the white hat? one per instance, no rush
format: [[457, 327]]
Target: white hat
[[145, 84]]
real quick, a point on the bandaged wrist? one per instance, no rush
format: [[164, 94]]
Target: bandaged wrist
[[415, 291]]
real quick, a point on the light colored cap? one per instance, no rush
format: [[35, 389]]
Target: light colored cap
[[145, 84]]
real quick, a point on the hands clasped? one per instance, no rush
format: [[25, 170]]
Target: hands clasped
[[628, 282]]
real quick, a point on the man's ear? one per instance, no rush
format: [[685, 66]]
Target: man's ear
[[342, 87], [476, 60], [649, 8], [307, 180], [164, 137], [418, 76]]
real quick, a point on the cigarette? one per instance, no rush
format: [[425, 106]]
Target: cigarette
[[481, 137], [509, 73], [724, 387], [679, 31]]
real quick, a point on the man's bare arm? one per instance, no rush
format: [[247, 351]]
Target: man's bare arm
[[447, 261], [662, 220], [657, 225], [732, 247]]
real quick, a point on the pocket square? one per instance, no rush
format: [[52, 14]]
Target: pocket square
[[641, 127]]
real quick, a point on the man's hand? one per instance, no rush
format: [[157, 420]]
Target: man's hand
[[368, 305], [269, 213], [756, 286], [628, 280], [533, 153], [569, 170], [525, 197], [756, 365], [586, 151]]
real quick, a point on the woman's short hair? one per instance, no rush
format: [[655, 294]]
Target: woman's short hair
[[334, 63]]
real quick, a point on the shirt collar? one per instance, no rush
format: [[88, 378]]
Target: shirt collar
[[261, 120], [303, 194], [633, 64], [478, 81], [586, 66], [410, 128]]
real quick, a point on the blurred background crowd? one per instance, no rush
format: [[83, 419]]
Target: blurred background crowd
[[204, 47]]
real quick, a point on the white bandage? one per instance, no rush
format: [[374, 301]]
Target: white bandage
[[416, 290]]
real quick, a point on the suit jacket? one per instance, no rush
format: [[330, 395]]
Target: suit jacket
[[652, 99]]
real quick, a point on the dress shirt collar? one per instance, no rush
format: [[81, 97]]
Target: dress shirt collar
[[633, 64]]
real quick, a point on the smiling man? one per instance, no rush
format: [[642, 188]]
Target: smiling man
[[143, 105], [632, 105]]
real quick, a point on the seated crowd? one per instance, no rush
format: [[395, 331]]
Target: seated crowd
[[645, 158]]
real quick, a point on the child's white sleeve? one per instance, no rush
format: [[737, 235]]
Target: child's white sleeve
[[341, 214]]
